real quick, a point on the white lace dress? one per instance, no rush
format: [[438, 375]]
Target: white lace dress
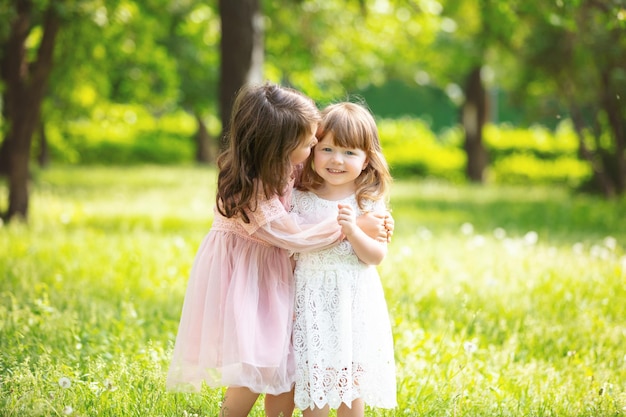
[[342, 334]]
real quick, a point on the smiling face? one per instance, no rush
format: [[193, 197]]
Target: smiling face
[[338, 166]]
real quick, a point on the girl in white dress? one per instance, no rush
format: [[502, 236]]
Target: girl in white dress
[[342, 334]]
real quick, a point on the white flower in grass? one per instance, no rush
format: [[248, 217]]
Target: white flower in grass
[[467, 229], [109, 386], [477, 241], [610, 242], [531, 238], [578, 248], [470, 347], [499, 233], [68, 410], [600, 252], [65, 382]]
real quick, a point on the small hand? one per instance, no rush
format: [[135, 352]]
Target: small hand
[[389, 226], [346, 219]]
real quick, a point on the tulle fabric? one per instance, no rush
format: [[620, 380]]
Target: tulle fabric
[[237, 316]]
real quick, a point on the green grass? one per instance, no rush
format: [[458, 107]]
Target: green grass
[[505, 301]]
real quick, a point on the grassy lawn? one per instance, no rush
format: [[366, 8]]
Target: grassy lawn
[[505, 301]]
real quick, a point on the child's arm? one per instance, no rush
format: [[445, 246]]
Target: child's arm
[[369, 251]]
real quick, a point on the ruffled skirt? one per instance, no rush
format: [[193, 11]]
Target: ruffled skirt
[[237, 318]]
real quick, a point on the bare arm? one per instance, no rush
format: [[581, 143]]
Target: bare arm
[[369, 250]]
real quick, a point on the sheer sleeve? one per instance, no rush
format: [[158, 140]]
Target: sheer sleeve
[[289, 232], [272, 223]]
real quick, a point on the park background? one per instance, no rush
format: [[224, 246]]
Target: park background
[[504, 126]]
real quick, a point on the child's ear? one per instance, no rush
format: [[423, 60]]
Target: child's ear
[[365, 164]]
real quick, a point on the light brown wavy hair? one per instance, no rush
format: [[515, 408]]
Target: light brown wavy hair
[[268, 122], [353, 126]]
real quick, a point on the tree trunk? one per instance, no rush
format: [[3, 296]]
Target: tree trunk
[[611, 105], [44, 150], [5, 153], [599, 173], [25, 88], [474, 116], [204, 152], [241, 50]]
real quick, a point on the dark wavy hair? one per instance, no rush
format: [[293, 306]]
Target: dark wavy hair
[[353, 126], [268, 122]]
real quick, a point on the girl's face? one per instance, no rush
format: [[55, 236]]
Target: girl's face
[[302, 152], [338, 166]]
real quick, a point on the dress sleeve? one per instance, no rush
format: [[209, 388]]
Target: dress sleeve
[[291, 233], [272, 223]]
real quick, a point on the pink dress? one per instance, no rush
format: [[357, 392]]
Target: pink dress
[[237, 317]]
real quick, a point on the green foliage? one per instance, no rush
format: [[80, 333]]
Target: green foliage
[[523, 156], [535, 155], [124, 134], [504, 299], [412, 149]]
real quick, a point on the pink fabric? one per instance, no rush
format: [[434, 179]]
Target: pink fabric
[[237, 316]]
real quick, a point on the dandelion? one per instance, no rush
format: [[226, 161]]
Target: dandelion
[[499, 233], [610, 242], [467, 229], [598, 251], [470, 347], [477, 241], [531, 238], [109, 386], [65, 382], [68, 410], [578, 248]]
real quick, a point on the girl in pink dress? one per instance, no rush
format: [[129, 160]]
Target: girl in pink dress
[[237, 317]]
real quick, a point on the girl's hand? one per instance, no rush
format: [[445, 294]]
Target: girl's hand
[[378, 226], [389, 225], [346, 219]]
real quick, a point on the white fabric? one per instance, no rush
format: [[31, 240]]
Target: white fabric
[[342, 336]]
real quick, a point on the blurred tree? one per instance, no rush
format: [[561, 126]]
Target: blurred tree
[[103, 51], [241, 51], [193, 40], [24, 77], [471, 45], [576, 53]]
